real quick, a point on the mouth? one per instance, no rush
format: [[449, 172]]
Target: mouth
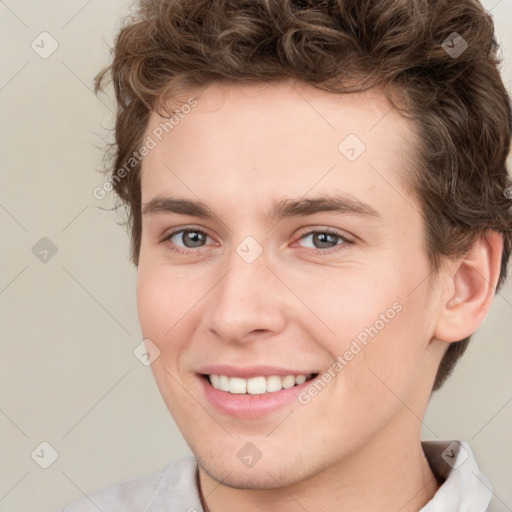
[[252, 392], [257, 385]]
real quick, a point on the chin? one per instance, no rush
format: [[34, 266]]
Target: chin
[[265, 475], [237, 477]]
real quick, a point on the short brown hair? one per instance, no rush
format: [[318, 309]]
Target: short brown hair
[[458, 101]]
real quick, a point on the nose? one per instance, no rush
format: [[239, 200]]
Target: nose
[[248, 302]]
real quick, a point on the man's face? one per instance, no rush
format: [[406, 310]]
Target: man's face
[[261, 288]]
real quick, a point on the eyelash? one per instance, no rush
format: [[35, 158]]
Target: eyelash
[[329, 231]]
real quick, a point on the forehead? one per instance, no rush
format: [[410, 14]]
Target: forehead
[[285, 136]]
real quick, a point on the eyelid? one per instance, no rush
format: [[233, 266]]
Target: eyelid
[[319, 228], [169, 234], [332, 231], [303, 233], [326, 251]]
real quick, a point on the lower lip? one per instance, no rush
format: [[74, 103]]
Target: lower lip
[[250, 406]]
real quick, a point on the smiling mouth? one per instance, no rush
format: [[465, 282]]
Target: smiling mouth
[[256, 385]]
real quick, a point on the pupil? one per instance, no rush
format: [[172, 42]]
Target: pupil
[[325, 238], [194, 237]]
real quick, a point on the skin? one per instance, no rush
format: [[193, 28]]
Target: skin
[[356, 445]]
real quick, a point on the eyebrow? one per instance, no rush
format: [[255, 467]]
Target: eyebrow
[[284, 208]]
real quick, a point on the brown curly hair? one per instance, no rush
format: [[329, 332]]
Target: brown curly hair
[[459, 103]]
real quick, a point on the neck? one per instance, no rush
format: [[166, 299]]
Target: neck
[[380, 477]]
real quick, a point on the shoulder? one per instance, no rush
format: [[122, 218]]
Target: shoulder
[[137, 494]]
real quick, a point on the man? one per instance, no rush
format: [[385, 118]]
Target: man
[[320, 217]]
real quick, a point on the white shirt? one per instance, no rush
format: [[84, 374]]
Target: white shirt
[[175, 489]]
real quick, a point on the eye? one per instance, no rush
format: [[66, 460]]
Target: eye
[[191, 238], [187, 240], [325, 239]]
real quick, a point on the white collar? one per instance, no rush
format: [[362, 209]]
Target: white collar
[[464, 487]]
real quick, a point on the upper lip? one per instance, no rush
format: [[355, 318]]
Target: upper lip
[[246, 372]]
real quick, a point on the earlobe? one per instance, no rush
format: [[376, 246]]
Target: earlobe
[[469, 289]]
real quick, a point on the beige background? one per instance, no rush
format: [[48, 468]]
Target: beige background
[[67, 372]]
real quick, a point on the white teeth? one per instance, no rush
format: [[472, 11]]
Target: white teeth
[[237, 385], [223, 383], [300, 379], [256, 385], [288, 382], [273, 383], [215, 380]]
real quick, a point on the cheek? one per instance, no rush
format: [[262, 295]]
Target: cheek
[[349, 302], [370, 319], [164, 286], [151, 301], [164, 304], [162, 301]]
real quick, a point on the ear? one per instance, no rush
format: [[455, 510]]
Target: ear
[[469, 287]]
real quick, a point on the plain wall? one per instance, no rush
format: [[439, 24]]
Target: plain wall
[[69, 325]]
